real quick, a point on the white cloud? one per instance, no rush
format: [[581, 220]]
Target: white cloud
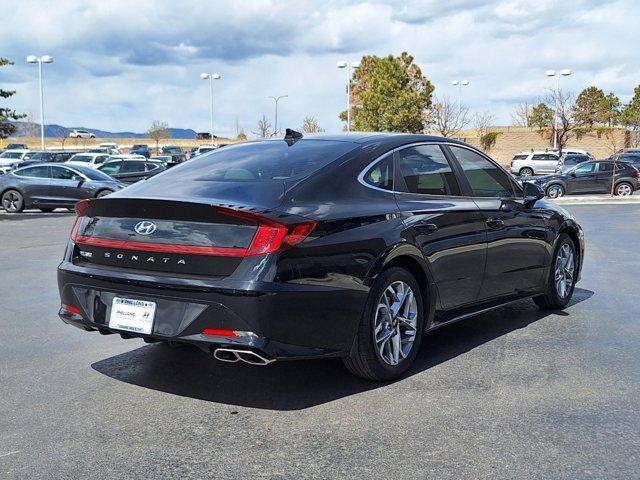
[[121, 64]]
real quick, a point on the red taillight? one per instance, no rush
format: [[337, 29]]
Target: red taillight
[[219, 332], [71, 309], [81, 207], [270, 234]]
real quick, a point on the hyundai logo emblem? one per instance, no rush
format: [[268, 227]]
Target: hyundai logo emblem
[[145, 227]]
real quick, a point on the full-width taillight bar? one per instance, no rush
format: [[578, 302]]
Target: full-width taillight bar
[[268, 238]]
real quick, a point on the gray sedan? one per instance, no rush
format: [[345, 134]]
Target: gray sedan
[[47, 187]]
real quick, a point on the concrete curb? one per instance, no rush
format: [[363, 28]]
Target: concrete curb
[[596, 199]]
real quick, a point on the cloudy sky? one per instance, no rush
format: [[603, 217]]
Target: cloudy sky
[[121, 64]]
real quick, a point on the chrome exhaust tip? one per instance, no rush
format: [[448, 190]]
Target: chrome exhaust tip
[[247, 356]]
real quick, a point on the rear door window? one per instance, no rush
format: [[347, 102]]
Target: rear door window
[[426, 171], [485, 178], [132, 167]]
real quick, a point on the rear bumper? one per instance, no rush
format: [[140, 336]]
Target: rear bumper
[[290, 321]]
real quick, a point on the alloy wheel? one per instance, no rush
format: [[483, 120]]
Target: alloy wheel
[[12, 201], [526, 172], [564, 271], [623, 190], [395, 323], [555, 191]]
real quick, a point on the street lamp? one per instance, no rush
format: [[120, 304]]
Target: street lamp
[[348, 66], [40, 61], [276, 99], [460, 84], [211, 77], [552, 73]]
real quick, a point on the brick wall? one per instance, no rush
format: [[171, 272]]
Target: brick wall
[[516, 139]]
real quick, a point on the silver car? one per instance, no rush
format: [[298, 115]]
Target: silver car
[[47, 187]]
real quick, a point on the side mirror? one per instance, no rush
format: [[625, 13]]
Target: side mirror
[[532, 193], [572, 174]]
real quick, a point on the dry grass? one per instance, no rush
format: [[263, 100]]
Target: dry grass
[[123, 143]]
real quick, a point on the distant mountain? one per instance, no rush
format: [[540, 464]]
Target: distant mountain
[[57, 131]]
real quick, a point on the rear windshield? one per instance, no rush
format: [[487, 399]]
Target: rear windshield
[[94, 174], [81, 158], [520, 157], [267, 160]]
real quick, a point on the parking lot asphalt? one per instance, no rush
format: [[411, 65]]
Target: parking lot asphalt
[[513, 394]]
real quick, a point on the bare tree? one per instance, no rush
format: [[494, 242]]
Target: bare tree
[[482, 121], [311, 125], [562, 103], [446, 118], [264, 127], [158, 131], [521, 115], [29, 128]]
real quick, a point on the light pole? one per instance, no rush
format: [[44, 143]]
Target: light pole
[[348, 66], [211, 77], [276, 99], [552, 73], [40, 61], [460, 84]]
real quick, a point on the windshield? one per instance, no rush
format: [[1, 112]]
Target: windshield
[[172, 150], [11, 155], [267, 160]]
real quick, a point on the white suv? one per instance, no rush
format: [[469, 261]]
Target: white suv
[[75, 133], [537, 162]]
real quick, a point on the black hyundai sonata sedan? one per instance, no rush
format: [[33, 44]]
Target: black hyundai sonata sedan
[[351, 245]]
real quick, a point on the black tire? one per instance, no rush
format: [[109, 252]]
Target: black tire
[[526, 172], [623, 189], [551, 299], [365, 360], [555, 191], [46, 210], [103, 193], [12, 201]]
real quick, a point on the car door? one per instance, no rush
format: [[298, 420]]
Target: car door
[[447, 227], [604, 173], [548, 163], [582, 179], [517, 250], [34, 184], [67, 186]]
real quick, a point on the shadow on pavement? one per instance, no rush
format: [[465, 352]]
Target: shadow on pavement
[[189, 372], [34, 215]]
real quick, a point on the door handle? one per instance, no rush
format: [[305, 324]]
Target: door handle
[[494, 223], [426, 227]]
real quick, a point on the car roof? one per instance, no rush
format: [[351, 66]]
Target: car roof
[[90, 154], [18, 150]]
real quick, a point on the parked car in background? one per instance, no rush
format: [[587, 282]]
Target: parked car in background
[[537, 162], [77, 133], [167, 160], [593, 176], [10, 159], [177, 155], [204, 149], [112, 148], [204, 136], [141, 149], [48, 187], [349, 245], [569, 160], [131, 170], [92, 160], [16, 146], [45, 156], [631, 157]]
